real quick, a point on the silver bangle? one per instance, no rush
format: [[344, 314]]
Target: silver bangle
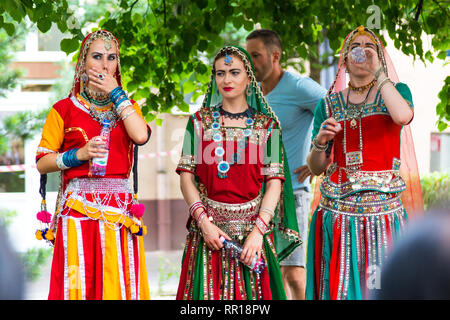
[[60, 162], [128, 114], [271, 212], [318, 147], [123, 105], [382, 83]]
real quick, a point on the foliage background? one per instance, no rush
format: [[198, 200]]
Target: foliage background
[[166, 45]]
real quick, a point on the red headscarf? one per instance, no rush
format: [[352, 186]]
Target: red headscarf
[[80, 68]]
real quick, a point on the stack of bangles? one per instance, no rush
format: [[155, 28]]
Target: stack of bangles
[[194, 207], [382, 82], [68, 159], [121, 101], [260, 224], [318, 147]]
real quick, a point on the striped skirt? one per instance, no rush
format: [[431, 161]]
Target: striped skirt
[[214, 274], [96, 256], [348, 241]]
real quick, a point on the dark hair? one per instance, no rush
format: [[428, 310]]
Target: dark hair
[[270, 38]]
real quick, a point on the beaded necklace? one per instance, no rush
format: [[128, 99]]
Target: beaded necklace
[[97, 115], [360, 90], [219, 135]]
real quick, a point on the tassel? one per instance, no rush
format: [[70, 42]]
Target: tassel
[[134, 228], [44, 216], [49, 235], [144, 230], [137, 210], [39, 235]]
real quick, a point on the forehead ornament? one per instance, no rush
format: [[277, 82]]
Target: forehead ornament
[[228, 60]]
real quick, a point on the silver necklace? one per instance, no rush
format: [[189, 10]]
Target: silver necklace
[[354, 159]]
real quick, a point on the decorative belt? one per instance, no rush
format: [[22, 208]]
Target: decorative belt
[[107, 199], [235, 219], [363, 204], [99, 185]]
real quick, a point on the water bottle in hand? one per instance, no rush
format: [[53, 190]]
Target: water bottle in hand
[[236, 250], [359, 55], [98, 167]]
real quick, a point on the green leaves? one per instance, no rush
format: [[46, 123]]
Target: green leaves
[[167, 45], [443, 107], [69, 45]]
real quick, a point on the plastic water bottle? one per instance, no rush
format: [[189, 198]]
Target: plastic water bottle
[[359, 55], [236, 249], [99, 164]]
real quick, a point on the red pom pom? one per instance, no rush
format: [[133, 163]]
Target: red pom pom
[[44, 216], [137, 210]]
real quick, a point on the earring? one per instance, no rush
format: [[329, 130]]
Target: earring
[[83, 81], [248, 91]]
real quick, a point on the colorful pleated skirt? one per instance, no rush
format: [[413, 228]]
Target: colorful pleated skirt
[[96, 254], [215, 275], [348, 241]]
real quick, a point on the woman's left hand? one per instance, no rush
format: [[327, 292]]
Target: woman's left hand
[[252, 247], [106, 84]]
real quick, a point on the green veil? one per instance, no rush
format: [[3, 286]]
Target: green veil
[[285, 232]]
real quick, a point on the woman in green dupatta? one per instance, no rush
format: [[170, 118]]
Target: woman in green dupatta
[[232, 173]]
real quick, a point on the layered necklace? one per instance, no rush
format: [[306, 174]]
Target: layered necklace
[[354, 160], [219, 136], [97, 115]]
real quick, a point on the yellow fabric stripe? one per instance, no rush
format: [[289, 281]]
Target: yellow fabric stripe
[[111, 281], [72, 262], [144, 291], [94, 213], [52, 132]]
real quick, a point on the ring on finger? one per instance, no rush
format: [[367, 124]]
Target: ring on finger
[[324, 126], [101, 76]]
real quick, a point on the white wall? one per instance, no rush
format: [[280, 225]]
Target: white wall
[[425, 82]]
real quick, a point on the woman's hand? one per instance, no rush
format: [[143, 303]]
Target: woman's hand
[[105, 83], [328, 130], [95, 148], [211, 234], [252, 247]]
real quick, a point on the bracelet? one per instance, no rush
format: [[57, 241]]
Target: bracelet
[[69, 158], [122, 106], [271, 212], [60, 163], [318, 147], [117, 96], [200, 218], [128, 114], [196, 205], [261, 225], [382, 83]]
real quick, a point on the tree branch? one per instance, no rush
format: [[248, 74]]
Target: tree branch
[[419, 9]]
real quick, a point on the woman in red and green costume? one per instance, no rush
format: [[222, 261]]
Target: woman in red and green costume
[[232, 173], [97, 228], [356, 140]]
